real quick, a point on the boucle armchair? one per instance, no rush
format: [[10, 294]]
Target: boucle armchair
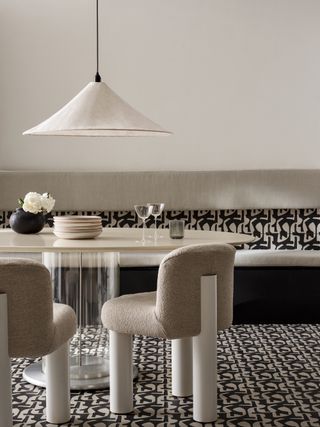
[[193, 299], [32, 326]]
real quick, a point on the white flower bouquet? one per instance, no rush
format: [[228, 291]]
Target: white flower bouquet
[[37, 203]]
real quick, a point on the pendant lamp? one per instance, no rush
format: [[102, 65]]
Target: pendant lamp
[[97, 111]]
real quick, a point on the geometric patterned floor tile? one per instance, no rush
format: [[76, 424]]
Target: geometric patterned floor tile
[[268, 376]]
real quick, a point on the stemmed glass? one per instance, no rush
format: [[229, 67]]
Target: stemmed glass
[[143, 212], [156, 211]]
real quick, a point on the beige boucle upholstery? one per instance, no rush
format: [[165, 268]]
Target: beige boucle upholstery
[[36, 326], [118, 191], [174, 310]]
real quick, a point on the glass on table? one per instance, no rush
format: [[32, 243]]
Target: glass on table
[[176, 229], [156, 211], [143, 212]]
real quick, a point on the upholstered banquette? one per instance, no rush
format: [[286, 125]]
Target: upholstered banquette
[[276, 276]]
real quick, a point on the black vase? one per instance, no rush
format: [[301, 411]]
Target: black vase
[[26, 222]]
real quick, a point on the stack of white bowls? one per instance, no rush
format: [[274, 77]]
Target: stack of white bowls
[[77, 227]]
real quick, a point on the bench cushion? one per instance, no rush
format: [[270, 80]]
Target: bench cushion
[[277, 258], [141, 259], [244, 258]]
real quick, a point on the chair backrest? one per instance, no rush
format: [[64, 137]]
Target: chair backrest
[[179, 291], [28, 287]]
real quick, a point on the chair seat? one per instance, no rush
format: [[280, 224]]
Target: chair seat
[[133, 314]]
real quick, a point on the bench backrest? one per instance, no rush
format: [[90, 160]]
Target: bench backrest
[[279, 207]]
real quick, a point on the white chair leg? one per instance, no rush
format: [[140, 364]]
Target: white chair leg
[[5, 367], [121, 375], [205, 355], [58, 385], [181, 356]]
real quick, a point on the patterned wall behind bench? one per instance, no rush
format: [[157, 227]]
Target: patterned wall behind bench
[[273, 228]]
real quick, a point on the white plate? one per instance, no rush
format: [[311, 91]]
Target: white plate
[[78, 222], [77, 229], [84, 235], [77, 218], [59, 230]]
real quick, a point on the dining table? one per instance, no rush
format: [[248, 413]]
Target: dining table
[[93, 372]]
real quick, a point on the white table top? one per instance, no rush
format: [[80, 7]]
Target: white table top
[[113, 240]]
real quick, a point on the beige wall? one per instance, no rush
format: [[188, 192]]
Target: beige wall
[[237, 81]]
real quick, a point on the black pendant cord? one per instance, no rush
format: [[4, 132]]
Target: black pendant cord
[[97, 77]]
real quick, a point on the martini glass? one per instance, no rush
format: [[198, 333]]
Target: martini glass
[[143, 212], [156, 211]]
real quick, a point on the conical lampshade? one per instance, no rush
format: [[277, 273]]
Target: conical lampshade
[[97, 111]]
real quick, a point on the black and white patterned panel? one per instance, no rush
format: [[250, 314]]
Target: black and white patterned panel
[[4, 219], [272, 228]]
